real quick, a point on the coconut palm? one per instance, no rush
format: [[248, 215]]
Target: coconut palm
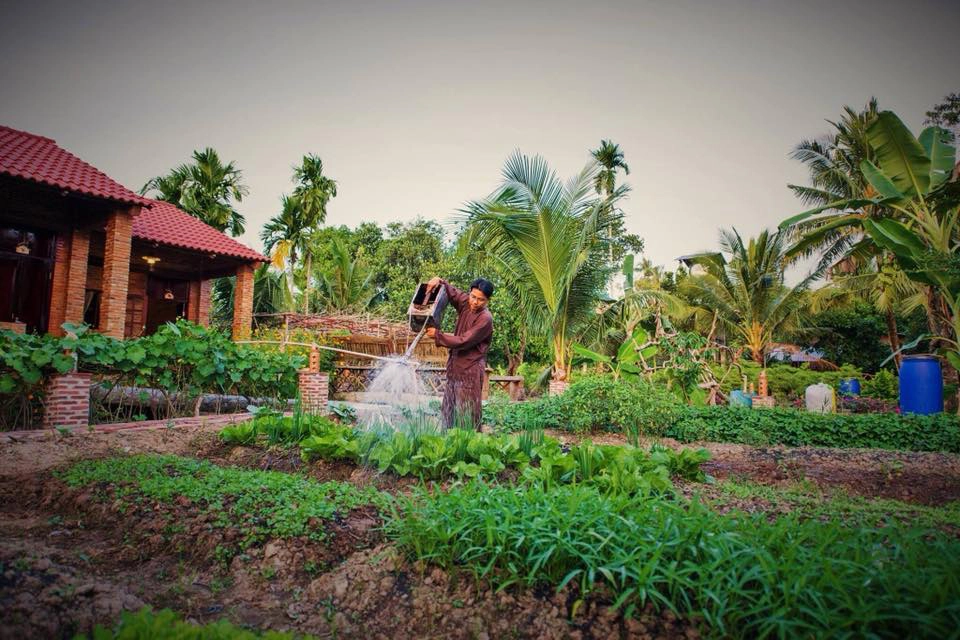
[[545, 236], [835, 176], [747, 291], [206, 189]]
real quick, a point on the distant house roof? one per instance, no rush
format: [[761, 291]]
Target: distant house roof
[[38, 159], [167, 224]]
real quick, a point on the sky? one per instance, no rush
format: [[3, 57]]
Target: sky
[[415, 106]]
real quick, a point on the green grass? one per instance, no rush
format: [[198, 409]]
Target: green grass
[[166, 625], [806, 500], [262, 504], [742, 575]]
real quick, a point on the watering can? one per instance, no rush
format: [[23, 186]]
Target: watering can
[[427, 309]]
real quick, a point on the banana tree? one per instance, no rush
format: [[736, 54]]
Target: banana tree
[[928, 251], [912, 179], [907, 172]]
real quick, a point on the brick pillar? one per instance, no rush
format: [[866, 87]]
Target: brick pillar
[[69, 282], [243, 302], [314, 390], [58, 285], [116, 273], [203, 306], [193, 300], [67, 401]]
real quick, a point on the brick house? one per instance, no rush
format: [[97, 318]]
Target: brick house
[[76, 246]]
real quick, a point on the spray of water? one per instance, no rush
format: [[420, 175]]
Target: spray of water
[[396, 394]]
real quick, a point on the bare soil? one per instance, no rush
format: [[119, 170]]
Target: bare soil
[[69, 560]]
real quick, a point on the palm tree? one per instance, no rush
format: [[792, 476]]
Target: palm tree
[[611, 159], [913, 180], [206, 189], [836, 176], [747, 291], [545, 235], [313, 191], [283, 236], [347, 285], [287, 236]]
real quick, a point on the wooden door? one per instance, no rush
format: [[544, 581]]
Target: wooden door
[[134, 323]]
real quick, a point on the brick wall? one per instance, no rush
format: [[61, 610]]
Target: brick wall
[[314, 390], [243, 302], [67, 401], [116, 273]]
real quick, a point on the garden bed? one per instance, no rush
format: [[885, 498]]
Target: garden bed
[[76, 556]]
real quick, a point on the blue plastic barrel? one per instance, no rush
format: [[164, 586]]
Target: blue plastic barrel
[[740, 399], [850, 387], [921, 385]]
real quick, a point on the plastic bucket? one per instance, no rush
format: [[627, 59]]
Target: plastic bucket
[[850, 387], [921, 385], [740, 399]]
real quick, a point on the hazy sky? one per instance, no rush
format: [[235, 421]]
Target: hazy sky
[[414, 106]]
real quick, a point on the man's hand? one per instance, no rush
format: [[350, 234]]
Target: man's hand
[[431, 332], [433, 283]]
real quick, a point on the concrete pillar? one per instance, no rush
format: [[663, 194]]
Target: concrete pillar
[[314, 390], [116, 273], [67, 401], [243, 302]]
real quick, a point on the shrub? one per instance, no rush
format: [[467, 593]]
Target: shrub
[[883, 385], [786, 382], [544, 412], [940, 432], [182, 360], [599, 402]]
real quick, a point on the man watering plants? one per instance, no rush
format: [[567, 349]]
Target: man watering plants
[[468, 346]]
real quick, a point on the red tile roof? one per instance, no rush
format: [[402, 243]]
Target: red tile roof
[[32, 157], [166, 224], [38, 159]]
